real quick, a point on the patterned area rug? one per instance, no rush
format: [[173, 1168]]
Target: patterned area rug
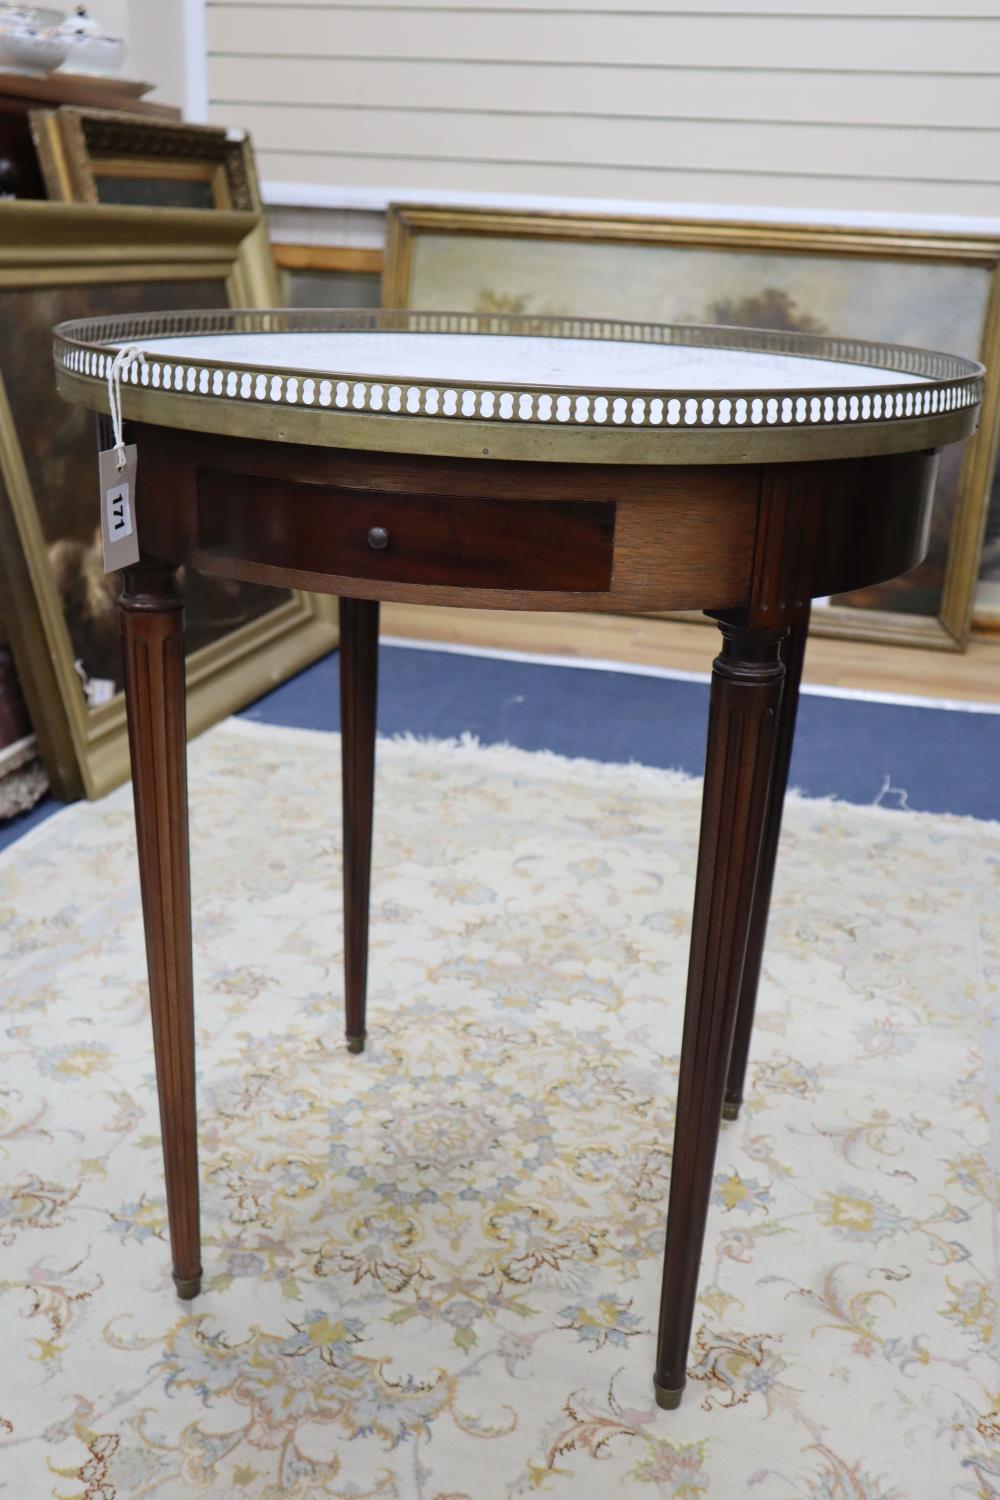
[[432, 1271]]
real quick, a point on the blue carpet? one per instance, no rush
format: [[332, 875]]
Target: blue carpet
[[926, 759], [15, 828]]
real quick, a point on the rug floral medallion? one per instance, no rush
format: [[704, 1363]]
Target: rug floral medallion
[[432, 1270]]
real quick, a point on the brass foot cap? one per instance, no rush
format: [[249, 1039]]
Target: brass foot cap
[[187, 1286], [355, 1044], [665, 1397], [730, 1110]]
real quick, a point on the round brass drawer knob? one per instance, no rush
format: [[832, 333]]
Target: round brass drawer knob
[[378, 538]]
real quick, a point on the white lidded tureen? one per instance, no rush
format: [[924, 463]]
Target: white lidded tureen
[[94, 50], [33, 39]]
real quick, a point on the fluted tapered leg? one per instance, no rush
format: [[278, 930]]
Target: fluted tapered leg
[[746, 696], [152, 621], [358, 692], [793, 655]]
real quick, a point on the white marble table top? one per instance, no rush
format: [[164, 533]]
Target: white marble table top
[[503, 360]]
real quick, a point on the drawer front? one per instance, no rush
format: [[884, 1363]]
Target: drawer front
[[430, 539]]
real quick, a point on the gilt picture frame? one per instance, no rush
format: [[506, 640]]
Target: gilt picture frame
[[328, 275], [930, 289], [58, 260], [122, 159]]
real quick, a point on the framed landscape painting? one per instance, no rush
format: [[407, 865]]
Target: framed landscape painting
[[61, 261], [103, 156], [935, 291]]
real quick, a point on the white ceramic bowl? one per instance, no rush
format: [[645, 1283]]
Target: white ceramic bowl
[[32, 40]]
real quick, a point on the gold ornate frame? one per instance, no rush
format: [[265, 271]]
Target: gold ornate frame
[[42, 245], [77, 147], [950, 629]]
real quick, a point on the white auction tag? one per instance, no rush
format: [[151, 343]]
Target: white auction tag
[[118, 529]]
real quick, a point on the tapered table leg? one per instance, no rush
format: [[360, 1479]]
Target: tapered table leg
[[793, 654], [152, 621], [746, 696], [358, 692]]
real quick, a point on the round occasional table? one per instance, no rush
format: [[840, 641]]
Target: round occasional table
[[512, 463]]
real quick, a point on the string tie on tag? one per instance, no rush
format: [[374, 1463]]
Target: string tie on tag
[[122, 360]]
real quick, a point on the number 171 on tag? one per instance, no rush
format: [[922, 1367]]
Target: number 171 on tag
[[119, 512], [118, 529]]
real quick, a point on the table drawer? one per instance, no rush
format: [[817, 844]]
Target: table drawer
[[430, 539]]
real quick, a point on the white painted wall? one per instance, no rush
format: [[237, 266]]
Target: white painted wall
[[156, 48], [166, 43], [852, 106]]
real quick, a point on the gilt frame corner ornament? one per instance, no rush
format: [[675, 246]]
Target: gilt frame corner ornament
[[51, 249], [949, 626]]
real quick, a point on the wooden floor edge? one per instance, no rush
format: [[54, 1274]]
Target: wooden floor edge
[[969, 676]]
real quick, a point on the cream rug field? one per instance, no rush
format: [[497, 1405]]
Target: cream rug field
[[432, 1271]]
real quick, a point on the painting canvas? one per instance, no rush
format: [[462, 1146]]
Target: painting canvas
[[329, 289], [176, 190], [64, 261], [58, 443], [934, 303], [987, 611]]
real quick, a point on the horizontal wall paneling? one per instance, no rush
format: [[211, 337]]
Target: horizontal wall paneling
[[824, 103]]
